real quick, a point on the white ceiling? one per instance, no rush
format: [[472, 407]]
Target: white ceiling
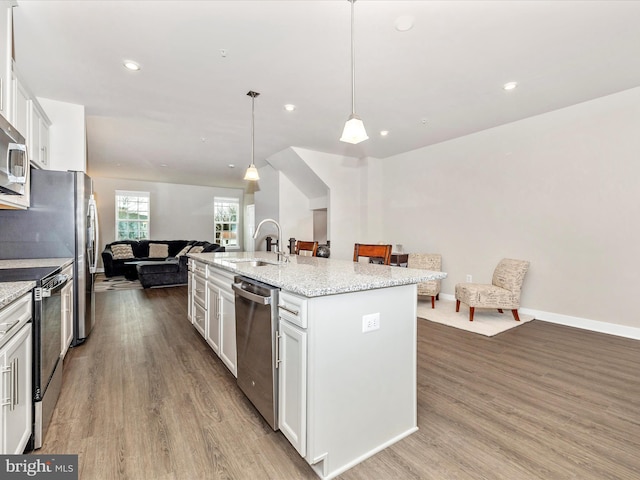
[[188, 109]]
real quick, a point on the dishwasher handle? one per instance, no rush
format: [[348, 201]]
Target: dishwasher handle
[[255, 298]]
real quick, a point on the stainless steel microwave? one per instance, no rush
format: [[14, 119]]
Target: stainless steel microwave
[[14, 162]]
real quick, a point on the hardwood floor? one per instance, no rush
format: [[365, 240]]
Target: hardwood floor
[[145, 398]]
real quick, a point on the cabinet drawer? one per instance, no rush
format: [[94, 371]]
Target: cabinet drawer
[[16, 311], [199, 318], [221, 279], [200, 289], [198, 268], [293, 309]]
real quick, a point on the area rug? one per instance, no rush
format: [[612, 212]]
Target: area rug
[[485, 321], [104, 284]]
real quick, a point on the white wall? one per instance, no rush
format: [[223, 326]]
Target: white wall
[[178, 212], [296, 217], [267, 202], [67, 135], [559, 190]]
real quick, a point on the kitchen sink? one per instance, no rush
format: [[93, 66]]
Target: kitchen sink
[[256, 263]]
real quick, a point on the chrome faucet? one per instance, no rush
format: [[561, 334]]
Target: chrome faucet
[[280, 255]]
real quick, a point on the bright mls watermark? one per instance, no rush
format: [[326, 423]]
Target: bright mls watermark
[[39, 467]]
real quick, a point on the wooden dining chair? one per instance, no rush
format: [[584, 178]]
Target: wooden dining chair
[[382, 252], [308, 249]]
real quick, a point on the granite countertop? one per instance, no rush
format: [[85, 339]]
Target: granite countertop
[[315, 276], [9, 291], [36, 262]]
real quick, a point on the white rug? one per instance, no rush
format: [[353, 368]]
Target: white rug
[[104, 284], [487, 322]]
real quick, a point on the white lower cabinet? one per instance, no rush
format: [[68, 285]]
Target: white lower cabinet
[[15, 378], [292, 386], [190, 291], [213, 311], [66, 295], [228, 330], [199, 302], [212, 334]]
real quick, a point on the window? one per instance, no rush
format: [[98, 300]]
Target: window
[[226, 221], [132, 215]]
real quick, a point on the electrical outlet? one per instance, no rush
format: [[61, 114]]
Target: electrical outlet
[[370, 322], [469, 279]]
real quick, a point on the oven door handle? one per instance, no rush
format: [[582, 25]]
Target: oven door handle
[[58, 281]]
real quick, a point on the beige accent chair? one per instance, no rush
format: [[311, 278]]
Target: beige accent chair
[[427, 261], [504, 291]]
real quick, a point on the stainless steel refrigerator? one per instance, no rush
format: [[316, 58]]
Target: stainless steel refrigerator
[[61, 222]]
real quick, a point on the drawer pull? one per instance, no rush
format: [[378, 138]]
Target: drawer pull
[[286, 309]]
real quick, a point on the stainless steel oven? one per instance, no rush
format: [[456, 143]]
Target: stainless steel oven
[[47, 341]]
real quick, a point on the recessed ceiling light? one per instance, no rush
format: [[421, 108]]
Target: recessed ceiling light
[[131, 65], [289, 107], [404, 23], [231, 165], [163, 164], [510, 85], [384, 133]]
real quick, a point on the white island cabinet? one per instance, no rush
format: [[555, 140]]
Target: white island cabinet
[[346, 352], [15, 377], [211, 310]]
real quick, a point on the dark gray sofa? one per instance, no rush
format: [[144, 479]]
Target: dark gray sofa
[[153, 271]]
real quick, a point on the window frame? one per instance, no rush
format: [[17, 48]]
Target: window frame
[[233, 242], [138, 195]]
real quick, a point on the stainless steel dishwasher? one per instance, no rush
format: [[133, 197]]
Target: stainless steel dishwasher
[[256, 329]]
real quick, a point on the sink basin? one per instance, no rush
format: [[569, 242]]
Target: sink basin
[[256, 263]]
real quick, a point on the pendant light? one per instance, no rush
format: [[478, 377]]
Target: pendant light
[[354, 131], [252, 171]]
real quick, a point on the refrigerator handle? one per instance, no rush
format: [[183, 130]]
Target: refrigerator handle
[[96, 228]]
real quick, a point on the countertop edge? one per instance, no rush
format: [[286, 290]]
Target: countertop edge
[[371, 277]]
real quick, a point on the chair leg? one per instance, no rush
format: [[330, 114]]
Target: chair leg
[[457, 305], [433, 302], [515, 314], [500, 310], [471, 310]]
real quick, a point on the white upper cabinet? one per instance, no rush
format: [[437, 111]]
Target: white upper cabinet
[[5, 57], [20, 116], [38, 138]]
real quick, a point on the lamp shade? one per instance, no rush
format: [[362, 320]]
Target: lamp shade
[[252, 173], [354, 131]]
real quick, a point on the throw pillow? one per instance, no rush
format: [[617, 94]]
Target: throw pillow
[[122, 251], [197, 249], [183, 251], [158, 250]]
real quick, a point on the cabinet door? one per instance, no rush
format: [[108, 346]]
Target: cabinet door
[[228, 331], [15, 387], [66, 295], [189, 294], [292, 388], [5, 56], [20, 107], [212, 334], [44, 144], [38, 136], [199, 317]]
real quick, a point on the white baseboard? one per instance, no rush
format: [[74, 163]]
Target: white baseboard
[[577, 322]]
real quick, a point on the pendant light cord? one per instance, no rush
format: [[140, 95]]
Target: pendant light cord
[[353, 61], [253, 123]]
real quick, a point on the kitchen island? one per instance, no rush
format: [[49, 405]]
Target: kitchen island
[[346, 348]]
